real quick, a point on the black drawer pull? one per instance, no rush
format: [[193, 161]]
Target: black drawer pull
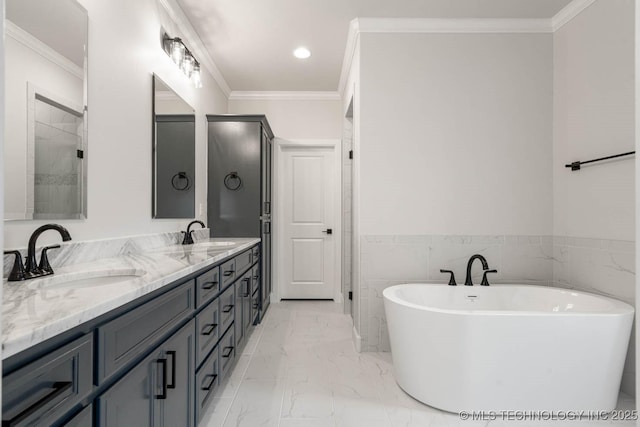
[[209, 285], [246, 280], [163, 395], [255, 306], [227, 308], [256, 277], [246, 295], [172, 353], [229, 350], [210, 385], [209, 328], [58, 389], [228, 273]]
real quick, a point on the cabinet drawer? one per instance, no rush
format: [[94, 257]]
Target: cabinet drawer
[[207, 381], [227, 352], [207, 286], [243, 261], [228, 273], [45, 389], [207, 330], [255, 278], [227, 305], [130, 335]]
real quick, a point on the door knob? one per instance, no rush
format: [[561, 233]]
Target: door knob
[[328, 231]]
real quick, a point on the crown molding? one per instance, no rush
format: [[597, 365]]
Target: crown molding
[[195, 43], [284, 96], [349, 52], [42, 49], [427, 25], [569, 12]]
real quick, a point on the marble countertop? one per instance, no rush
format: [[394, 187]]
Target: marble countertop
[[33, 312]]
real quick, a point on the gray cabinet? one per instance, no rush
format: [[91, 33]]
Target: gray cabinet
[[157, 361], [128, 336], [158, 391], [49, 387], [239, 183]]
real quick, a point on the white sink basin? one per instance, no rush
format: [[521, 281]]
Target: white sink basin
[[214, 244], [87, 279]]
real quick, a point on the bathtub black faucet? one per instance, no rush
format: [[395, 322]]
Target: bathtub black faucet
[[485, 266], [188, 240], [32, 269]]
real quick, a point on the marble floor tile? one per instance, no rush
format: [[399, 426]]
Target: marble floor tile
[[300, 368]]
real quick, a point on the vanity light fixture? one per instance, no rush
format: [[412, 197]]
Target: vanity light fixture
[[302, 53], [183, 58]]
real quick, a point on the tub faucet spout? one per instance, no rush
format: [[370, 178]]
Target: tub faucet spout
[[485, 266]]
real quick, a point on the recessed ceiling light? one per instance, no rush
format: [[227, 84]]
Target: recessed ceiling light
[[302, 53]]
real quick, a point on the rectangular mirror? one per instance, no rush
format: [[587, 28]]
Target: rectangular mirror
[[174, 151], [45, 137]]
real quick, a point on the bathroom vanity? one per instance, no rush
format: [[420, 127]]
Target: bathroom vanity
[[152, 351]]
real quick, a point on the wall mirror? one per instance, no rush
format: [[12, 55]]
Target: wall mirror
[[45, 158], [174, 150]]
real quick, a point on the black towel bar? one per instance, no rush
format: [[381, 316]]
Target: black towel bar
[[575, 166]]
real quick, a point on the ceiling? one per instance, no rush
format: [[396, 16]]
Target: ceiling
[[252, 41], [62, 24]]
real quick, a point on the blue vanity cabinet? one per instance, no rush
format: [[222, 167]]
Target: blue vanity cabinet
[[156, 361], [49, 387], [158, 391]]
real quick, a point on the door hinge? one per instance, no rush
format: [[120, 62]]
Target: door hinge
[[350, 295], [351, 154], [80, 154]]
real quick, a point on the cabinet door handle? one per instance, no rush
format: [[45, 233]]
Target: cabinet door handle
[[227, 308], [255, 306], [228, 350], [58, 389], [209, 285], [210, 385], [255, 277], [172, 353], [163, 395], [209, 328], [228, 273]]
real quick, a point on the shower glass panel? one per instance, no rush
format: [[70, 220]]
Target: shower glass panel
[[58, 161]]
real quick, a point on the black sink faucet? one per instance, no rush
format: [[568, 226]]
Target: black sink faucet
[[485, 266], [31, 268], [188, 240]]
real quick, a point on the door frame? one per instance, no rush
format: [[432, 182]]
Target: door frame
[[280, 145]]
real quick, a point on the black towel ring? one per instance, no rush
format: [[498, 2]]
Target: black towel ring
[[232, 176], [180, 176]]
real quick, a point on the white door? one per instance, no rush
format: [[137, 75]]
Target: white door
[[309, 186]]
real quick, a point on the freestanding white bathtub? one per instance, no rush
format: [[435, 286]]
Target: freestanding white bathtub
[[507, 347]]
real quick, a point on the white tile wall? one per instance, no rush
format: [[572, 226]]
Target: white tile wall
[[599, 266]]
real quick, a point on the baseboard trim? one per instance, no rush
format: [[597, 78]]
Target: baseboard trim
[[357, 339]]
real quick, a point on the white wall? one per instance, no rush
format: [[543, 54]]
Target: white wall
[[296, 119], [594, 117], [124, 51], [456, 134]]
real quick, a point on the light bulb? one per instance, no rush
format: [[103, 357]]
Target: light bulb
[[187, 65], [195, 76], [177, 51]]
